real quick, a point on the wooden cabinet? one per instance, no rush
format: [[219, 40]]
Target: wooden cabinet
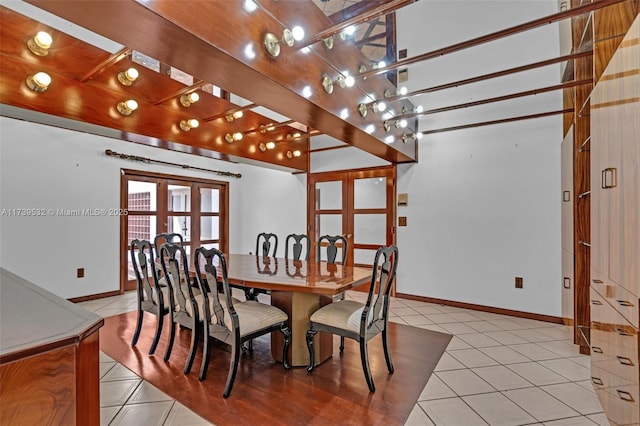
[[615, 232], [49, 357]]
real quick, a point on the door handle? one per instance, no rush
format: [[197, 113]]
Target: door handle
[[609, 178]]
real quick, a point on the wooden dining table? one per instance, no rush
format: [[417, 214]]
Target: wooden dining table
[[299, 288]]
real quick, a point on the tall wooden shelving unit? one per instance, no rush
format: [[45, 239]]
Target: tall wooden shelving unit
[[605, 127], [600, 31]]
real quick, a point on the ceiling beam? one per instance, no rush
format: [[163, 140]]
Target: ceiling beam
[[168, 32]]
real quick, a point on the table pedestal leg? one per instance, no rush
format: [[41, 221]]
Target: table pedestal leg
[[299, 307]]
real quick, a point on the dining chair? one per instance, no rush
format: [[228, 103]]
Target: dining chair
[[361, 321], [231, 321], [151, 297], [297, 247], [266, 244], [167, 237], [331, 254], [183, 298], [158, 241]]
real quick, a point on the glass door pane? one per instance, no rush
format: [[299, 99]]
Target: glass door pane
[[330, 224], [364, 256], [139, 227], [142, 196], [142, 218], [180, 225], [329, 195], [370, 193], [209, 228], [370, 228], [179, 201], [209, 200], [371, 220], [179, 198]]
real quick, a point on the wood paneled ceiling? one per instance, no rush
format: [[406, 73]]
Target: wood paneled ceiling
[[195, 46]]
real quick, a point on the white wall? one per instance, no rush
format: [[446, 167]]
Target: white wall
[[268, 201], [46, 167], [483, 209], [484, 202]]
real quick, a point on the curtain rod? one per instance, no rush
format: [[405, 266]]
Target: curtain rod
[[146, 160]]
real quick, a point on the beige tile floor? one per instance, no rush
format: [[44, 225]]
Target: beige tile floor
[[497, 370]]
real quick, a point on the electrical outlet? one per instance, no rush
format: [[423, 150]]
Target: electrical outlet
[[402, 221], [519, 281], [80, 273]]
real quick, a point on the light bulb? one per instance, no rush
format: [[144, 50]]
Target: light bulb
[[43, 40], [128, 77], [298, 33], [127, 107], [189, 124], [189, 98], [39, 45], [349, 81], [39, 82]]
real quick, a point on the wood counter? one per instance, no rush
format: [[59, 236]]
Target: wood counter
[[49, 357]]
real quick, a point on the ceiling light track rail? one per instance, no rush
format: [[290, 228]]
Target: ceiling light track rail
[[491, 75], [579, 10], [147, 160], [565, 85], [504, 120]]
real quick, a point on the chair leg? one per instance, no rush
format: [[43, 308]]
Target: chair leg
[[387, 354], [206, 352], [287, 341], [365, 365], [312, 360], [172, 335], [156, 338], [136, 334], [233, 368], [195, 333], [341, 344]]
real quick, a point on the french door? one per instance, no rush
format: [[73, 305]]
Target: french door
[[357, 204], [197, 209]]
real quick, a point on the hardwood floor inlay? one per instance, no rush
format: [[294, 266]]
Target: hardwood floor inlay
[[264, 393]]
